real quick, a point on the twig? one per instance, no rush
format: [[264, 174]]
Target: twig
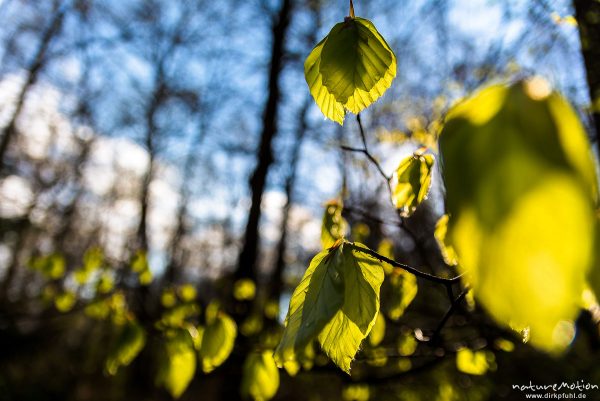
[[410, 269], [436, 333]]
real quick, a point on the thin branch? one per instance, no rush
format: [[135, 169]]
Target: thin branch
[[365, 151], [410, 269], [438, 330]]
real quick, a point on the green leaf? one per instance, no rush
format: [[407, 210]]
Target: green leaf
[[448, 253], [520, 189], [244, 290], [140, 265], [260, 377], [52, 266], [187, 292], [399, 292], [378, 331], [336, 302], [473, 362], [334, 225], [350, 68], [411, 182], [65, 301], [217, 340], [128, 345], [178, 364]]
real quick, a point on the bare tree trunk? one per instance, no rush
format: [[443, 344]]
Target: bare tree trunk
[[588, 18], [9, 132], [277, 279], [248, 256]]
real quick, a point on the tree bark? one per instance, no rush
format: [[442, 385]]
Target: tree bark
[[248, 256], [277, 279], [588, 18]]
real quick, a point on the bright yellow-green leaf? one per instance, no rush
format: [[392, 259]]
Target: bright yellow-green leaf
[[472, 362], [356, 392], [271, 309], [65, 301], [520, 189], [140, 265], [304, 359], [145, 277], [217, 341], [504, 345], [187, 292], [411, 182], [106, 283], [176, 316], [52, 266], [399, 292], [349, 69], [386, 248], [244, 289], [334, 225], [178, 364], [260, 379], [168, 298], [252, 325], [378, 331], [336, 302], [130, 342], [448, 253], [407, 344], [92, 261]]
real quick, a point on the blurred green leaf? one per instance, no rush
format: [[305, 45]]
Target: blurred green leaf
[[260, 377], [399, 292], [337, 302], [520, 189], [349, 69], [411, 181], [334, 226], [128, 345], [448, 253], [52, 266], [217, 341], [356, 392], [65, 301], [178, 364], [140, 265], [244, 289], [473, 362], [378, 331], [187, 292]]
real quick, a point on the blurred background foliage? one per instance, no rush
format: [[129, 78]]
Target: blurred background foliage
[[165, 177]]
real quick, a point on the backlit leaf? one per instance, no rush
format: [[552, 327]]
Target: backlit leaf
[[128, 345], [65, 301], [178, 364], [448, 253], [411, 182], [260, 379], [520, 188], [244, 289], [350, 68], [473, 362], [217, 341], [378, 331], [336, 302], [334, 225]]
